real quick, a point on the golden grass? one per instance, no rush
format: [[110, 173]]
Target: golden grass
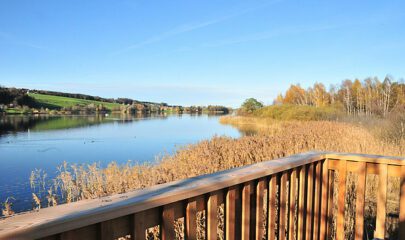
[[272, 139], [275, 139]]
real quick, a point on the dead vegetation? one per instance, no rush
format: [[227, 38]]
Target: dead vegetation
[[272, 139]]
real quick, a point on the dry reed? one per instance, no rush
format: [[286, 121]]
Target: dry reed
[[272, 139]]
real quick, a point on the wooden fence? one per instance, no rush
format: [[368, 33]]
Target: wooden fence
[[298, 197]]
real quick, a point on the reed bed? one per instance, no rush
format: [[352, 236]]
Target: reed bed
[[264, 140], [276, 139]]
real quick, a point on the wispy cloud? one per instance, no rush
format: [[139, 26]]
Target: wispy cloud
[[12, 39], [293, 30], [273, 34], [192, 27]]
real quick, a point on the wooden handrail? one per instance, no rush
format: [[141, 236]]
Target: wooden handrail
[[241, 190]]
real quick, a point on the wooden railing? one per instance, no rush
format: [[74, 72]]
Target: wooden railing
[[287, 198]]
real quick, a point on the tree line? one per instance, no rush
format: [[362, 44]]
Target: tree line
[[20, 98], [16, 97], [368, 97]]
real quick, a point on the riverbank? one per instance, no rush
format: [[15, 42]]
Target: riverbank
[[272, 139]]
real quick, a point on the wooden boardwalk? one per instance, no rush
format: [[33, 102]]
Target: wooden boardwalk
[[287, 198]]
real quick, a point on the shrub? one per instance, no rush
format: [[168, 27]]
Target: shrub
[[249, 106], [299, 112]]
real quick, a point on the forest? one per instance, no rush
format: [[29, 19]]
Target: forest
[[368, 97]]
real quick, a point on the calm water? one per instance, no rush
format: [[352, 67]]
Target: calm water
[[28, 143]]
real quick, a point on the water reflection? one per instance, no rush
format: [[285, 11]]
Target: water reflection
[[44, 142]]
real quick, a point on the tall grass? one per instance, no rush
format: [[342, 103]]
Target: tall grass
[[299, 112], [271, 139], [276, 139]]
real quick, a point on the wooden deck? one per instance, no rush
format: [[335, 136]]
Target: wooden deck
[[293, 196]]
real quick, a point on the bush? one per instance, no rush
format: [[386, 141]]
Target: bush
[[249, 106], [299, 112]]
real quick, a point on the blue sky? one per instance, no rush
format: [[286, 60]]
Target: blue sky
[[197, 52]]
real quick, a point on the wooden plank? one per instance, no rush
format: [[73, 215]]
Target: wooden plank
[[394, 171], [377, 159], [231, 212], [293, 195], [271, 207], [372, 168], [381, 201], [317, 200], [200, 203], [88, 232], [360, 200], [191, 220], [324, 201], [261, 184], [168, 217], [340, 218], [246, 192], [283, 206], [212, 215], [116, 228], [302, 193], [330, 201], [310, 202], [333, 164], [401, 226], [144, 220]]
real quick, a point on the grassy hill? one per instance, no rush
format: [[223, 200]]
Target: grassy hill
[[58, 102]]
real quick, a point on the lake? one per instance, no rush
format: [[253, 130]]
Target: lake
[[45, 142]]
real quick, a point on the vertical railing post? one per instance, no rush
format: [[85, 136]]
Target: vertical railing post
[[293, 195], [402, 206], [191, 220], [310, 202], [283, 206], [324, 200], [360, 200], [214, 200], [302, 202], [317, 200], [167, 227], [260, 208], [381, 201], [340, 218], [246, 192], [232, 213], [271, 205]]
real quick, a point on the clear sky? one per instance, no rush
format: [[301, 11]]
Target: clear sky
[[197, 51]]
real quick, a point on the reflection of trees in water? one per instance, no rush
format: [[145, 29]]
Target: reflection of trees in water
[[21, 123], [16, 124]]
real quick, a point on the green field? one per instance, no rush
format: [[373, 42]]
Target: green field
[[57, 102]]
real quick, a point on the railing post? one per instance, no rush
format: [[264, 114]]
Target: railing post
[[401, 226], [381, 201], [214, 200], [360, 200], [144, 220], [310, 202], [168, 222], [340, 219], [283, 206], [317, 203], [302, 202], [191, 220], [260, 209], [246, 208], [293, 194], [232, 213], [271, 205], [324, 200]]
